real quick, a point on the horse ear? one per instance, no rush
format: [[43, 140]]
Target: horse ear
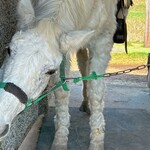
[[75, 40], [25, 12]]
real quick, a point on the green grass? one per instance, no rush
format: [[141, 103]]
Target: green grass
[[132, 59], [133, 55], [136, 21], [136, 14], [137, 54], [133, 46]]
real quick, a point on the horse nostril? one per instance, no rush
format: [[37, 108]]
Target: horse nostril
[[4, 130]]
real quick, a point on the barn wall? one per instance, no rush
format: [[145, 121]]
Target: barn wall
[[22, 122]]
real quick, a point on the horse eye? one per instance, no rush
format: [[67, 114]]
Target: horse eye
[[50, 72], [8, 50]]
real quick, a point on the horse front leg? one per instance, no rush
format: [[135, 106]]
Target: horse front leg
[[62, 120], [100, 58]]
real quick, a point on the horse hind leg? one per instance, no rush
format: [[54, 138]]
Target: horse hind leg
[[83, 64]]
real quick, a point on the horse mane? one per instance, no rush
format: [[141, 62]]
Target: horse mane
[[47, 9]]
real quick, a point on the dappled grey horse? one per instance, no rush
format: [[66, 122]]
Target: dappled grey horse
[[48, 29]]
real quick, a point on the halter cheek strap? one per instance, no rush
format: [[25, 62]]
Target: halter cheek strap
[[16, 91]]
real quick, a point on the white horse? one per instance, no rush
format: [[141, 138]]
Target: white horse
[[47, 29]]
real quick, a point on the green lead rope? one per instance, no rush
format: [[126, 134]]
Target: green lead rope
[[34, 102], [93, 76], [61, 83]]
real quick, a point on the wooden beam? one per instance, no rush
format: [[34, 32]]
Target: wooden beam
[[147, 30]]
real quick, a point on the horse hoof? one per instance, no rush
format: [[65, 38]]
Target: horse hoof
[[96, 146], [59, 147], [84, 107]]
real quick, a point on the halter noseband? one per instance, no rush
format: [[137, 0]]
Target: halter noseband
[[15, 90]]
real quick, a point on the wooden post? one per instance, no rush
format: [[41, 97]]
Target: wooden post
[[147, 31], [148, 75]]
